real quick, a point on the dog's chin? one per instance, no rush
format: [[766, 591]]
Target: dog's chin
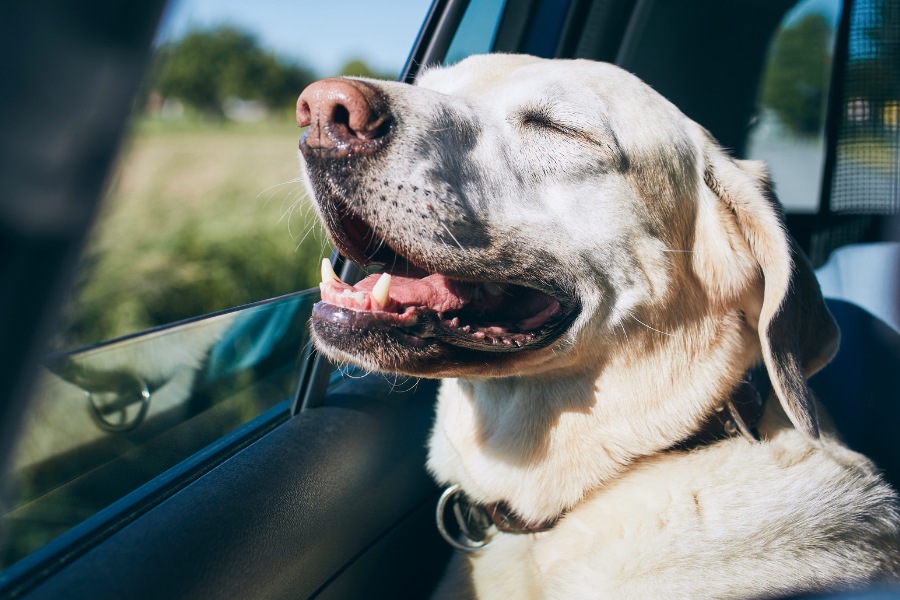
[[394, 351]]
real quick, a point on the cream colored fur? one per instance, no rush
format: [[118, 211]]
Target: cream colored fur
[[685, 279]]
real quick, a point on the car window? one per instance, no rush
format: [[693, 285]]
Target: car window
[[867, 154], [477, 30], [789, 126], [204, 212]]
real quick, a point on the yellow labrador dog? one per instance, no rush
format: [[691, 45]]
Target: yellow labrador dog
[[595, 279]]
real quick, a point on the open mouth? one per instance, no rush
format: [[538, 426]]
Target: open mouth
[[418, 306]]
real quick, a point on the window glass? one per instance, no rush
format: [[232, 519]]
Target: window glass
[[108, 419], [788, 130], [867, 165], [477, 30], [205, 211]]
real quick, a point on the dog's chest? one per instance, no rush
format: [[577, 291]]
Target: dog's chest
[[719, 522], [523, 451]]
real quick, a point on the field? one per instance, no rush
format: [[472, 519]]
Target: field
[[198, 217]]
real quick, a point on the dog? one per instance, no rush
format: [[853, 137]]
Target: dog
[[595, 279]]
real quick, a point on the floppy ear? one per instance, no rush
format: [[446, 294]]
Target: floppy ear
[[797, 334]]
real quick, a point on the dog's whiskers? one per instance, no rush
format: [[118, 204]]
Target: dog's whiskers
[[312, 227], [272, 187], [452, 236], [649, 327]]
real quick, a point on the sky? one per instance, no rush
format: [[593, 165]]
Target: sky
[[323, 35]]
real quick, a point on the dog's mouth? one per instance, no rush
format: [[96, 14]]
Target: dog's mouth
[[416, 306]]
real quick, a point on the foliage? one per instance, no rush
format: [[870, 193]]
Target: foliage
[[202, 215], [199, 217], [358, 68], [205, 67], [796, 81]]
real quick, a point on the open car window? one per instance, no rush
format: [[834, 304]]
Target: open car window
[[205, 211], [110, 418]]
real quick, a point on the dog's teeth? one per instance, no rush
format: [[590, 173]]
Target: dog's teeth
[[494, 289], [328, 273], [381, 292]]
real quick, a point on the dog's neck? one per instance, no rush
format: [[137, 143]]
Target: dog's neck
[[541, 442]]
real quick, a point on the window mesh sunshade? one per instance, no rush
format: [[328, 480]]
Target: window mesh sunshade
[[867, 166]]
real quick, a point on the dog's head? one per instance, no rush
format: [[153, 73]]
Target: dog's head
[[540, 216]]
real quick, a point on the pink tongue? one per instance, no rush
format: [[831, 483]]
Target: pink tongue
[[435, 291]]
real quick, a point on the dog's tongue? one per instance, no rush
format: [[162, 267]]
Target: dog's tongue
[[436, 292]]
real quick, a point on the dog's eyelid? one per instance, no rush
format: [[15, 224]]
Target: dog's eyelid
[[542, 119]]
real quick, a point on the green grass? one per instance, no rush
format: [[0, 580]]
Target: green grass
[[198, 217]]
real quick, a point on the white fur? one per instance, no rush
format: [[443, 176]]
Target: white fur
[[685, 278]]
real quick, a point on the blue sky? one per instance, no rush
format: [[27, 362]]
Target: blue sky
[[324, 35], [321, 35]]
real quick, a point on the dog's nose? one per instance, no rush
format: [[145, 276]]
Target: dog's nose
[[344, 116]]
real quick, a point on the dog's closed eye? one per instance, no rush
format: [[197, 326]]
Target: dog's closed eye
[[540, 119]]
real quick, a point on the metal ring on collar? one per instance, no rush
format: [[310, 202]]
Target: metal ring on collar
[[468, 545]]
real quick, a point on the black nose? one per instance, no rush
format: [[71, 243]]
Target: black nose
[[344, 116]]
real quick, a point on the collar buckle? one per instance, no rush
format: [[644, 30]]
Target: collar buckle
[[472, 523]]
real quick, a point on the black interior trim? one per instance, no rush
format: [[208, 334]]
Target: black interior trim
[[704, 56], [44, 563], [514, 25], [435, 37], [289, 515]]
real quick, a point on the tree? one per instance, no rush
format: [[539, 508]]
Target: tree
[[358, 68], [795, 84], [205, 67]]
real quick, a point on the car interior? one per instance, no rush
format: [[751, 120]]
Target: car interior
[[250, 467]]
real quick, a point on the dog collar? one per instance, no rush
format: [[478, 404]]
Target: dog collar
[[740, 413]]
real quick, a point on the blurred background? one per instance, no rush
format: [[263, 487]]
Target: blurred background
[[205, 211]]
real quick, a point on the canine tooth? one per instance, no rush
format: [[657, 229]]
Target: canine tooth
[[328, 273], [381, 292]]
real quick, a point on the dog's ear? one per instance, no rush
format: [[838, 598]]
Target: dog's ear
[[798, 335]]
